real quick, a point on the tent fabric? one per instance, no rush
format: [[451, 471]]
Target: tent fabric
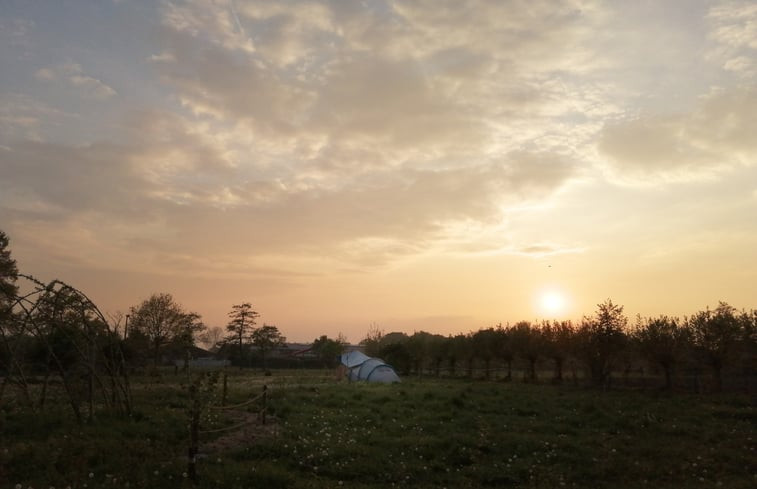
[[354, 358], [365, 368]]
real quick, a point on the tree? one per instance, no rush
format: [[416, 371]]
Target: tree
[[162, 321], [8, 291], [418, 347], [528, 342], [599, 339], [438, 350], [267, 338], [484, 345], [557, 337], [715, 334], [372, 340], [328, 350], [662, 341], [504, 346], [241, 325], [8, 274]]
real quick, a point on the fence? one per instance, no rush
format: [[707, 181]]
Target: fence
[[196, 410]]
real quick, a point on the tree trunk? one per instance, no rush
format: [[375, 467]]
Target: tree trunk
[[532, 370], [558, 370], [717, 378], [668, 377]]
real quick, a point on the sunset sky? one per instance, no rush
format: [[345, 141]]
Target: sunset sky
[[421, 165]]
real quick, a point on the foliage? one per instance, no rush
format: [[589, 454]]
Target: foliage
[[328, 350], [163, 321], [527, 340], [557, 339], [715, 334], [8, 274], [600, 339], [663, 341], [267, 338], [241, 326], [485, 346]]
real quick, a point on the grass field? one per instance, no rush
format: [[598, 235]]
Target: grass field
[[430, 433]]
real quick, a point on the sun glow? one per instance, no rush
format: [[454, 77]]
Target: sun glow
[[552, 303]]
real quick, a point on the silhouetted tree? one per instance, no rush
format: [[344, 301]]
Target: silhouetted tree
[[438, 350], [599, 339], [8, 275], [266, 338], [162, 321], [241, 326], [663, 342], [328, 350], [419, 348], [462, 350], [505, 348], [528, 342], [393, 350], [484, 346], [715, 334], [9, 336], [557, 337]]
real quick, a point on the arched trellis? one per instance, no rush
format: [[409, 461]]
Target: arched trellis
[[55, 330]]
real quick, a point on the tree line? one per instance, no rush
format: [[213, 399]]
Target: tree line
[[597, 349], [52, 335]]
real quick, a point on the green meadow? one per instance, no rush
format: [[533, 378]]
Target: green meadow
[[420, 433]]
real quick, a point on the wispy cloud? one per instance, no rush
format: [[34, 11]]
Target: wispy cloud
[[72, 74], [734, 31]]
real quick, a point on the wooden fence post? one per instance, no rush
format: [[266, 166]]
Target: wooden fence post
[[265, 403], [194, 433], [225, 387]]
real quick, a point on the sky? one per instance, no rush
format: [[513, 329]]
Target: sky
[[436, 165]]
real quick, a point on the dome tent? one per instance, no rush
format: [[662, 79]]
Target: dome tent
[[362, 367]]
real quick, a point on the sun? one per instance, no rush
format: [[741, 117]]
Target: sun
[[552, 302]]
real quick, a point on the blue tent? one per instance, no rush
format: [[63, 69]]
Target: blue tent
[[362, 367]]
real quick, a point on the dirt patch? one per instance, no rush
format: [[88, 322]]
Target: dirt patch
[[251, 430]]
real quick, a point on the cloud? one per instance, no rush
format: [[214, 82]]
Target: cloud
[[23, 117], [733, 28], [215, 25], [72, 74], [174, 183], [396, 76], [715, 136], [547, 249]]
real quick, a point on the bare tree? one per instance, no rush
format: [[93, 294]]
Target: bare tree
[[211, 337], [372, 340]]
